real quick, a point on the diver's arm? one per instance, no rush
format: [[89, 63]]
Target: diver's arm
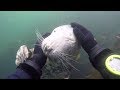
[[31, 69], [104, 60], [19, 74]]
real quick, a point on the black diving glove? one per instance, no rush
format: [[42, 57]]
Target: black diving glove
[[33, 67], [87, 40]]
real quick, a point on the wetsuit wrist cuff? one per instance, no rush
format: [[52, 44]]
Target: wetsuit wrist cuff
[[89, 44], [95, 51], [31, 70]]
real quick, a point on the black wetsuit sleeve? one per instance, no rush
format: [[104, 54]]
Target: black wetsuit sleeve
[[99, 63], [25, 71], [19, 74]]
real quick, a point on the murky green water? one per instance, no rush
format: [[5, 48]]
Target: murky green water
[[18, 28]]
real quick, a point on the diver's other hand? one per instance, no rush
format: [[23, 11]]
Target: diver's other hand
[[34, 66], [84, 37], [39, 56]]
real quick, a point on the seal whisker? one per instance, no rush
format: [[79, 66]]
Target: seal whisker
[[63, 64], [70, 64], [65, 55], [39, 37]]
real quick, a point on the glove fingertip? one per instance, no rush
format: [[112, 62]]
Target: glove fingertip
[[74, 24]]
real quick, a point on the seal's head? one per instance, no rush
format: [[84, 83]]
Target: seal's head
[[61, 43]]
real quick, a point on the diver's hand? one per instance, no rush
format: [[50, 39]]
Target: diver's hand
[[38, 56], [34, 65], [87, 40], [84, 37]]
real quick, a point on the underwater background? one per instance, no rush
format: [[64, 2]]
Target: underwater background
[[18, 28]]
